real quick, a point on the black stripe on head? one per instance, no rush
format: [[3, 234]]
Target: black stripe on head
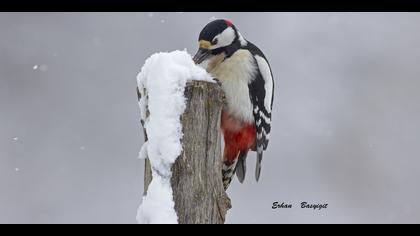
[[212, 29]]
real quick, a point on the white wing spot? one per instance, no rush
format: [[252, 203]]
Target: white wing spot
[[255, 109], [266, 119]]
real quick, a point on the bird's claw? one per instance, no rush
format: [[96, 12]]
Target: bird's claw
[[217, 81]]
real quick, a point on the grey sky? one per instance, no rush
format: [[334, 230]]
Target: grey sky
[[346, 116]]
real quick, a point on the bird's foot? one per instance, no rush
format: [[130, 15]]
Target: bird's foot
[[217, 81]]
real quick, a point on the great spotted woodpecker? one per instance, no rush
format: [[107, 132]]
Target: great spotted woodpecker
[[246, 78]]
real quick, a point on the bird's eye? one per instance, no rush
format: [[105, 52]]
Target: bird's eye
[[214, 42]]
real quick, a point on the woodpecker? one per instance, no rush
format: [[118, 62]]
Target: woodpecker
[[246, 78]]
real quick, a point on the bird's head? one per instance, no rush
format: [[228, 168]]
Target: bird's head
[[218, 36]]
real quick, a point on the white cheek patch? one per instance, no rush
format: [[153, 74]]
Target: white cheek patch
[[225, 38]]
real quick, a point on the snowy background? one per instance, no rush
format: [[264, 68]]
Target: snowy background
[[346, 115]]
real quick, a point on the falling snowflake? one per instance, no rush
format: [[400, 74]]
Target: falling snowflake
[[162, 21], [15, 139], [151, 14], [35, 67], [17, 169]]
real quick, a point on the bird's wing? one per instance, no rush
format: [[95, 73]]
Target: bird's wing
[[261, 91]]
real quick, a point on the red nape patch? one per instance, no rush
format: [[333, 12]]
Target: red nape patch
[[228, 23]]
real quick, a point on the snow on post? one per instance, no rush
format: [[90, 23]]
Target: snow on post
[[161, 84]]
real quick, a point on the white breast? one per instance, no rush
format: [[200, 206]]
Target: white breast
[[235, 73]]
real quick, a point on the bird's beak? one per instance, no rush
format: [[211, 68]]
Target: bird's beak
[[201, 55]]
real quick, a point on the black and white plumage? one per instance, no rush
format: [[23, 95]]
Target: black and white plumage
[[261, 107], [247, 80]]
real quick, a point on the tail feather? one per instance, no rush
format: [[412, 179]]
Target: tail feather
[[241, 166], [228, 171], [258, 165]]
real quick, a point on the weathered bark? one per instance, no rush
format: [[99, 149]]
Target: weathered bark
[[196, 180]]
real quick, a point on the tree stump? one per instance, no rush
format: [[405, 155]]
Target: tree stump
[[196, 180]]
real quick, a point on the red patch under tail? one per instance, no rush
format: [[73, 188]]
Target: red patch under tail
[[239, 138]]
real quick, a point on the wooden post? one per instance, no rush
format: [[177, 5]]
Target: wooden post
[[196, 180]]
